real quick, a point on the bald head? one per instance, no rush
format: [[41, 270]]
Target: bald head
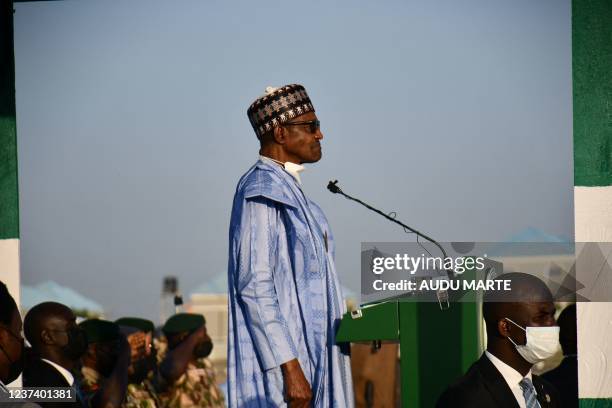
[[46, 317], [528, 299]]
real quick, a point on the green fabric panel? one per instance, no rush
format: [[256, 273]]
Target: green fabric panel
[[592, 91], [409, 355], [595, 403], [431, 338], [470, 339], [9, 200], [440, 334]]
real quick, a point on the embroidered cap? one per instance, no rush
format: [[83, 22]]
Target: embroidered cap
[[278, 106]]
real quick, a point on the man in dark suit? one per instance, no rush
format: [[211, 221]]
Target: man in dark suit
[[57, 344], [565, 377], [521, 331], [11, 341]]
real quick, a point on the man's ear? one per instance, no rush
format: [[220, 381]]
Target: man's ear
[[280, 135], [503, 327], [46, 337]]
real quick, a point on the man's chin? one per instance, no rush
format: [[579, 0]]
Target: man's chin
[[314, 159]]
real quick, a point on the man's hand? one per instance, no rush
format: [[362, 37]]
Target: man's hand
[[199, 334], [297, 389], [176, 361], [137, 343]]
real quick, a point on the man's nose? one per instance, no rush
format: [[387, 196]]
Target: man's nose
[[319, 134]]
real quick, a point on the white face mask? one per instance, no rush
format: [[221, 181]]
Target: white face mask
[[542, 342]]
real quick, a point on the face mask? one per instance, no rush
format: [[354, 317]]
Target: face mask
[[16, 366], [203, 349], [77, 344], [542, 342]]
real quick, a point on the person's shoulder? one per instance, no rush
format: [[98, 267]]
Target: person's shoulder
[[38, 373], [207, 365], [259, 175], [261, 182], [466, 391], [567, 370]]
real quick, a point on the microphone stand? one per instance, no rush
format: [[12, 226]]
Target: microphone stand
[[442, 294]]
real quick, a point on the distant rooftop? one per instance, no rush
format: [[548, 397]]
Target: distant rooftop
[[52, 291], [532, 242]]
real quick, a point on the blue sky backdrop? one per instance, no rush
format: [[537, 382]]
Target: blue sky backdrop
[[132, 128]]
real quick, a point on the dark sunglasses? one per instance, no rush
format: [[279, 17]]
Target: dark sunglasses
[[314, 125]]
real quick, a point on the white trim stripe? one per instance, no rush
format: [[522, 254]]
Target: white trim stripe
[[593, 223], [9, 266]]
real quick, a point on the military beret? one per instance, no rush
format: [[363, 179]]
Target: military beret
[[129, 330], [183, 322], [136, 322], [99, 331]]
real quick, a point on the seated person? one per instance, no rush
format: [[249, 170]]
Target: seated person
[[104, 375], [142, 373], [57, 345], [189, 375], [521, 331], [565, 377], [11, 340]]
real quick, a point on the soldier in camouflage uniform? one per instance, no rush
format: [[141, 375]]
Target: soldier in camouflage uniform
[[142, 375], [104, 375], [190, 377]]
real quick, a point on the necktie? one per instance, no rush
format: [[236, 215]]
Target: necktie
[[79, 394], [529, 393]]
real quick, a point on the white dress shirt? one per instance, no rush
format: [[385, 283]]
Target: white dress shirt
[[512, 377], [65, 373]]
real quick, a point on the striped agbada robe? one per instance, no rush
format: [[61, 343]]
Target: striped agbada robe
[[285, 300]]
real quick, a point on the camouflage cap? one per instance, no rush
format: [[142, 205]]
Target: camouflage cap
[[99, 331], [136, 322], [183, 322]]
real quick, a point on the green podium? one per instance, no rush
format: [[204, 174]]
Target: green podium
[[436, 346]]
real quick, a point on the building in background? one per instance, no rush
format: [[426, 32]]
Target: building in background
[[51, 291]]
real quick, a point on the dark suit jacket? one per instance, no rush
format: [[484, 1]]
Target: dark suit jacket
[[565, 379], [38, 373], [483, 386]]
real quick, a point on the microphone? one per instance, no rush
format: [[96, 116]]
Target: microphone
[[333, 187], [442, 295]]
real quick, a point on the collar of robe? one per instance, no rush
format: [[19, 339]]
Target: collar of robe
[[291, 168]]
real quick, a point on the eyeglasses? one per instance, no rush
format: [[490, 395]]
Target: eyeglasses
[[314, 125]]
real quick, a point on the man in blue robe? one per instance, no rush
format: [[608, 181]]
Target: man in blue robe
[[285, 301]]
